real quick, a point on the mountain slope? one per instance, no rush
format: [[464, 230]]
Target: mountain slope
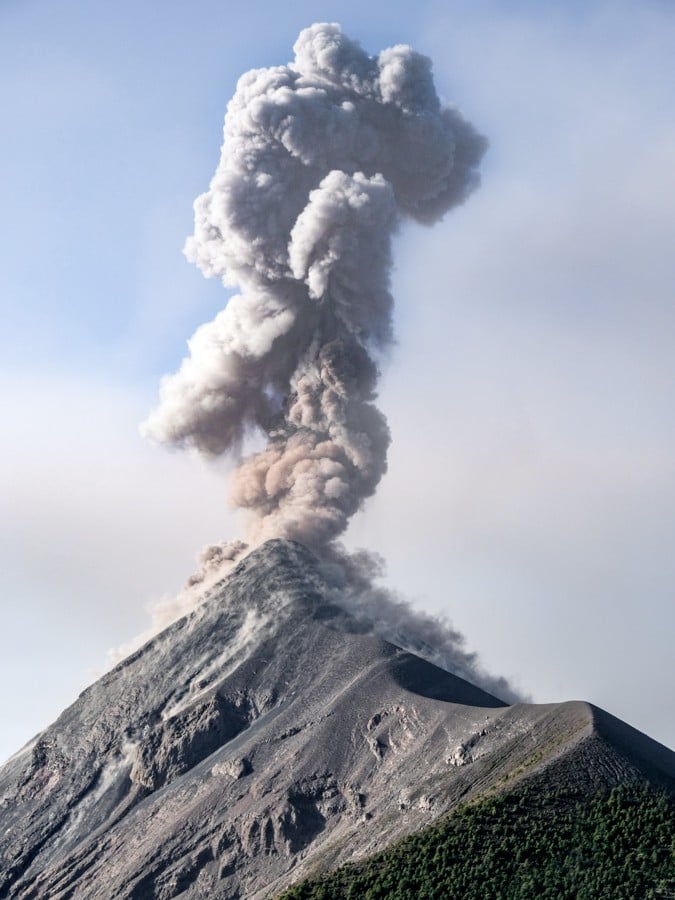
[[266, 736]]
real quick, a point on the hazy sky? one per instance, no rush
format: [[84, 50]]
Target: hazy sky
[[531, 489]]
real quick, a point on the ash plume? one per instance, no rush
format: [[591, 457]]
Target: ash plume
[[321, 160]]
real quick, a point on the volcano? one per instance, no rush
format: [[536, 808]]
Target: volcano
[[270, 735]]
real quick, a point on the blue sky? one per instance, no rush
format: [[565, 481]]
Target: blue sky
[[531, 491]]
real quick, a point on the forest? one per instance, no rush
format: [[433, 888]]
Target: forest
[[617, 844]]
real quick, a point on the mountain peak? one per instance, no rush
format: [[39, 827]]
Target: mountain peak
[[265, 731]]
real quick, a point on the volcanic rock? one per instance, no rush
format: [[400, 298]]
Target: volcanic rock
[[267, 736]]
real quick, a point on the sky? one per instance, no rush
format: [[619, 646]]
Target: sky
[[530, 495]]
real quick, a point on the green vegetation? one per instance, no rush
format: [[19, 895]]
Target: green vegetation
[[617, 844]]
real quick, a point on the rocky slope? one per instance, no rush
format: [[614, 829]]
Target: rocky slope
[[265, 737]]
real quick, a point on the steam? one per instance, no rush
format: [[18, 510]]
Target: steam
[[321, 161]]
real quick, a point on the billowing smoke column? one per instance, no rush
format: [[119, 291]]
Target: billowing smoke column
[[321, 160]]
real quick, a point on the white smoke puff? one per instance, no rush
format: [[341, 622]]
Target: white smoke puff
[[321, 158]]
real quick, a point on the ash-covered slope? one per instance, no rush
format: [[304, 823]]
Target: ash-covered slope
[[265, 737]]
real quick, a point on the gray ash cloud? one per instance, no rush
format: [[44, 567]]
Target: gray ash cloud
[[321, 160]]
